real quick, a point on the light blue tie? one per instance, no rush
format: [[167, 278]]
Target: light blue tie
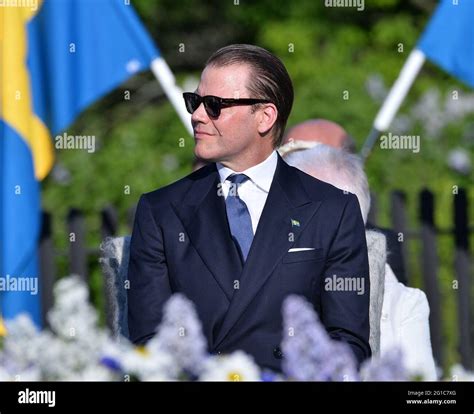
[[238, 216]]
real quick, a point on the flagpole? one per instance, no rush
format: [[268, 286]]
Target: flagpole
[[394, 99], [165, 77]]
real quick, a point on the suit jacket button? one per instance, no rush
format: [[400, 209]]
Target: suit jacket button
[[277, 353]]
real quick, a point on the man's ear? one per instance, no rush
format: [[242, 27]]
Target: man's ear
[[267, 117]]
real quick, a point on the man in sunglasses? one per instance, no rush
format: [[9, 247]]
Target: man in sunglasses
[[242, 233]]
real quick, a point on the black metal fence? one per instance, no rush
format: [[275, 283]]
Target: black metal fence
[[429, 234]]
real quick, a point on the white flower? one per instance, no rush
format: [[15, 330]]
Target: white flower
[[458, 373], [237, 366], [72, 316], [68, 360], [29, 375], [149, 366], [22, 346], [95, 372], [4, 375], [180, 335], [388, 367], [72, 354]]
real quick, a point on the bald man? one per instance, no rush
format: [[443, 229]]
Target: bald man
[[321, 131], [310, 133]]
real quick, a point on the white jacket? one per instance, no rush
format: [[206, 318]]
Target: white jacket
[[405, 324]]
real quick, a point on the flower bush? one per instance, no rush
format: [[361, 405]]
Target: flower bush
[[76, 348]]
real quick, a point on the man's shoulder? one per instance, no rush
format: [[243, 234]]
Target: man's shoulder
[[319, 190], [177, 190]]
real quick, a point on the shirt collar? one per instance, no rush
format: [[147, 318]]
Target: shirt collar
[[261, 174]]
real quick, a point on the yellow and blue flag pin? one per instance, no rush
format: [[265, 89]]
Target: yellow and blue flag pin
[[295, 223]]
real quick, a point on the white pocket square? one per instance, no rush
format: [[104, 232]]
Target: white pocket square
[[301, 249]]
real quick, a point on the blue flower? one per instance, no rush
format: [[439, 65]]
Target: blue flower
[[309, 353], [389, 367], [111, 363]]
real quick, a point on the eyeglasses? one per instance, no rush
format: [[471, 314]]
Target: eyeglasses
[[214, 104]]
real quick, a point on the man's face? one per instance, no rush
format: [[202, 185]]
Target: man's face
[[232, 137]]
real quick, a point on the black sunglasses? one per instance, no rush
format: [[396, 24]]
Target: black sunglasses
[[214, 104]]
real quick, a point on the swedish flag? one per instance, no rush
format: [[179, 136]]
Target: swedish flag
[[295, 223], [56, 58]]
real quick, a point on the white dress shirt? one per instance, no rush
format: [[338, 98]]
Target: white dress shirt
[[254, 191]]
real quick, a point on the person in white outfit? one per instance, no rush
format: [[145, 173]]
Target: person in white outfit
[[404, 322]]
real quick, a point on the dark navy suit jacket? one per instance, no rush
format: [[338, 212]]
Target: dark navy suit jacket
[[181, 243]]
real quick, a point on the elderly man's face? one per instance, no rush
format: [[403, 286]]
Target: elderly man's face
[[232, 137]]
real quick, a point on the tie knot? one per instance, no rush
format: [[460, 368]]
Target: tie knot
[[237, 178]]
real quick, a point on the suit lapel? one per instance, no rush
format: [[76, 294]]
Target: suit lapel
[[204, 218], [287, 211]]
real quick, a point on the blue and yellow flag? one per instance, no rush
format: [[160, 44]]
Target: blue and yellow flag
[[56, 58]]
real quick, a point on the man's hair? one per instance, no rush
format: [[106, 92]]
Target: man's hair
[[336, 167], [269, 79], [349, 144], [295, 146]]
